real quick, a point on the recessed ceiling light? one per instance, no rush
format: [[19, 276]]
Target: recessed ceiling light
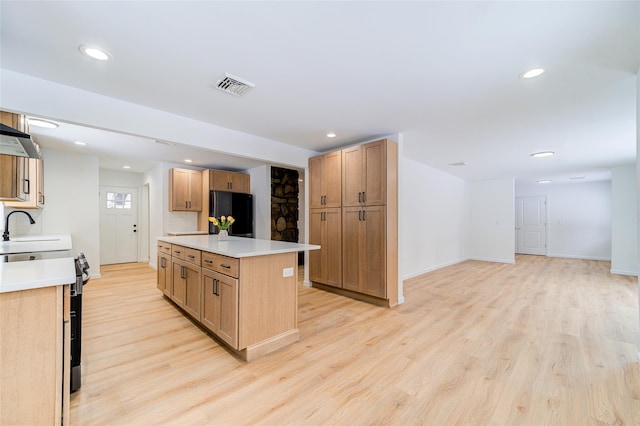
[[543, 154], [544, 181], [42, 123], [532, 73], [95, 53], [126, 167], [188, 160], [80, 143], [331, 135]]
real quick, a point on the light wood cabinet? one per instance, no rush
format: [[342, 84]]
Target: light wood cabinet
[[185, 190], [364, 174], [249, 303], [15, 171], [220, 305], [365, 250], [325, 229], [14, 178], [367, 215], [186, 286], [34, 186], [220, 180], [165, 274], [324, 180], [35, 355]]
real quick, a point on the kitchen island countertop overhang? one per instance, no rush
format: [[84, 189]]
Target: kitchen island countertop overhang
[[237, 247]]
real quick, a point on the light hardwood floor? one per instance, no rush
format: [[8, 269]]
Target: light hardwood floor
[[545, 341]]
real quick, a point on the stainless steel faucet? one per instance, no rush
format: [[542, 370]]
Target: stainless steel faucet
[[5, 234]]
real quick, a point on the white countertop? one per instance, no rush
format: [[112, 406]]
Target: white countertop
[[36, 243], [237, 246], [182, 233], [27, 275]]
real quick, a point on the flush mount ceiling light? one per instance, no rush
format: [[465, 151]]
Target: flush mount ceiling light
[[42, 123], [126, 167], [543, 154], [95, 53], [532, 73], [331, 135], [544, 181], [188, 160], [80, 143]]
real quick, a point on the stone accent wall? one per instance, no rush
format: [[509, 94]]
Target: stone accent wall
[[284, 204]]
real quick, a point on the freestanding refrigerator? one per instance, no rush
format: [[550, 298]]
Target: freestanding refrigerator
[[236, 204]]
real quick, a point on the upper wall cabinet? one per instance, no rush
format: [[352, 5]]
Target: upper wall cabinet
[[34, 186], [364, 174], [18, 180], [324, 180], [228, 181], [185, 190]]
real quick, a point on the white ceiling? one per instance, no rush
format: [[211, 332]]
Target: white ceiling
[[443, 74]]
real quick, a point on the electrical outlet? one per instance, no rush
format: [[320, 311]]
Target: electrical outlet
[[287, 272]]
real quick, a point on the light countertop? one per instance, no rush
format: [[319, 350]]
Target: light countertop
[[237, 247], [15, 276], [36, 243], [182, 233]]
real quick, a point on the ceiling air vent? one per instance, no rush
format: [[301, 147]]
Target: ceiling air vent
[[234, 85]]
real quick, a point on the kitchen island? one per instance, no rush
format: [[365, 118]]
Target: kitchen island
[[242, 290]]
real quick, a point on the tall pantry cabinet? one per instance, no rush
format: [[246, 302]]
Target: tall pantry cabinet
[[366, 246]]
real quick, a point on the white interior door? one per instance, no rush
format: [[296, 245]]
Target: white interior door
[[118, 225], [531, 225]]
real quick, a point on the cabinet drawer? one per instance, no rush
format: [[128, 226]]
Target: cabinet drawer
[[223, 264], [164, 247], [186, 253]]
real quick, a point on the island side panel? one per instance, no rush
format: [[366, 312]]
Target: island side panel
[[268, 301]]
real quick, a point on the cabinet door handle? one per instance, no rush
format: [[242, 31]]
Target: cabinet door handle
[[359, 197], [225, 266], [191, 256], [208, 261], [359, 214], [364, 197], [364, 217], [182, 274], [27, 186], [162, 262], [177, 251], [217, 287]]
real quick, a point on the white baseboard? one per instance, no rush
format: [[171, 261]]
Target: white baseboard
[[621, 272], [307, 283], [431, 269], [483, 259], [571, 256], [401, 301]]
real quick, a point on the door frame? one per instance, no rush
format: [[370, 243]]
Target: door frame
[[546, 222]]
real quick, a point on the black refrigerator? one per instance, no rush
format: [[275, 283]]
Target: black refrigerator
[[235, 204]]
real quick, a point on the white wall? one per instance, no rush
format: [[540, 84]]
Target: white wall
[[638, 170], [434, 216], [579, 218], [624, 221], [72, 204], [261, 190], [120, 178], [154, 179], [492, 220]]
